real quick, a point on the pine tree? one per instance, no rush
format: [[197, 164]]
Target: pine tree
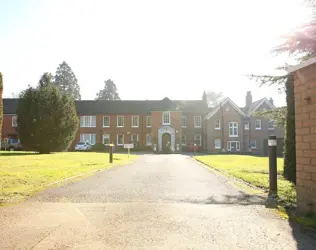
[[46, 79], [109, 92], [66, 81], [47, 120]]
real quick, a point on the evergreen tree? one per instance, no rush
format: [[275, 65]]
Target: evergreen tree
[[46, 79], [214, 98], [66, 81], [290, 140], [1, 106], [46, 120], [109, 92]]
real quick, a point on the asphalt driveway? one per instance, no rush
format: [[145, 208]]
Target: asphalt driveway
[[158, 202]]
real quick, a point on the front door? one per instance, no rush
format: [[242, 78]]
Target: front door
[[166, 142], [233, 146]]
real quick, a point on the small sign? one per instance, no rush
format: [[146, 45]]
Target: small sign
[[272, 143], [109, 145], [130, 145]]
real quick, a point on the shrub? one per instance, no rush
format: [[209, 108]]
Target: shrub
[[47, 121], [99, 147], [289, 142]]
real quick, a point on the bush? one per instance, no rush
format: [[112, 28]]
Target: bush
[[47, 121], [289, 142], [99, 147]]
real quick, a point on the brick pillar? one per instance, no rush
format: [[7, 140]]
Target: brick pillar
[[305, 122]]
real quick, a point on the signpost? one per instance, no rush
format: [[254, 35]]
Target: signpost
[[129, 146]]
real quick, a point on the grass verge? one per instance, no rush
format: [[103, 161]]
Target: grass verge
[[23, 173], [252, 169], [255, 170]]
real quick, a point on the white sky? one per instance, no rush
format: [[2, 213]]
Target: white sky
[[151, 49]]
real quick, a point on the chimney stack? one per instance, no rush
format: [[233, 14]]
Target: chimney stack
[[248, 99], [271, 100]]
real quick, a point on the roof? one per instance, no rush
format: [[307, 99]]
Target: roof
[[10, 106], [93, 107], [217, 108], [255, 105], [301, 65], [192, 106]]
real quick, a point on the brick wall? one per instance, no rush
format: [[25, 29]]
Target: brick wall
[[7, 128], [305, 122]]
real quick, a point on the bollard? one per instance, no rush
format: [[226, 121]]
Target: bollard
[[273, 186], [111, 153]]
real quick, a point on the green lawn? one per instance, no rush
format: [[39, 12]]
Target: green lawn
[[22, 173], [252, 169]]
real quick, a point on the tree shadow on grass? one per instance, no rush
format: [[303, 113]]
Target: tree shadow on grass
[[16, 153]]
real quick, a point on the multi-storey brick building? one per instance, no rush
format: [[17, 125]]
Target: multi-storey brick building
[[231, 128], [159, 124]]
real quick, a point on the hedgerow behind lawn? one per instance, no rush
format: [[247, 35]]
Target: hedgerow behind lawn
[[252, 169], [22, 173]]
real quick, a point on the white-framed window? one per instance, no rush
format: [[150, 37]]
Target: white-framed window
[[198, 140], [166, 118], [148, 121], [246, 126], [253, 144], [134, 138], [271, 125], [88, 121], [184, 121], [88, 138], [258, 124], [148, 139], [106, 121], [183, 140], [14, 121], [217, 143], [106, 139], [233, 129], [217, 124], [197, 121], [120, 139], [233, 146], [120, 121], [135, 121]]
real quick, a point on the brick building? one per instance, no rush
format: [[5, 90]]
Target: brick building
[[305, 128], [236, 129], [155, 123]]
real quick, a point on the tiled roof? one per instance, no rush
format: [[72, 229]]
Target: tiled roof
[[91, 107], [10, 106], [253, 105]]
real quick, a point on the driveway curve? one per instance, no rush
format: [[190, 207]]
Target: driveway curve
[[157, 202]]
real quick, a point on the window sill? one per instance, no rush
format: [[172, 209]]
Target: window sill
[[197, 127], [148, 126], [105, 126], [217, 129], [120, 126], [271, 128], [217, 148], [258, 129], [233, 136], [184, 127], [135, 126], [166, 124]]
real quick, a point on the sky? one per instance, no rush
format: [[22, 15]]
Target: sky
[[150, 49]]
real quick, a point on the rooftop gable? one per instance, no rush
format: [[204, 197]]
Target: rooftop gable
[[217, 108]]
